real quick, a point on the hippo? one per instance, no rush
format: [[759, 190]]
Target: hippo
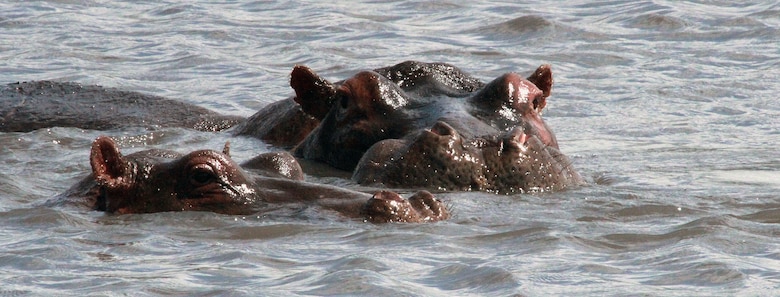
[[371, 107], [287, 122], [206, 180], [404, 128], [28, 106]]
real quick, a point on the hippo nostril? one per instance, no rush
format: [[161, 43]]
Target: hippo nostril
[[343, 101], [442, 129], [516, 140]]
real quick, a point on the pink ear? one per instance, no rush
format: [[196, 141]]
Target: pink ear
[[108, 165], [313, 93], [543, 79]]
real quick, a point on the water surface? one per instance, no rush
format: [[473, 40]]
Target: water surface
[[668, 109]]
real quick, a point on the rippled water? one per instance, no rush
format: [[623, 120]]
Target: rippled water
[[668, 108]]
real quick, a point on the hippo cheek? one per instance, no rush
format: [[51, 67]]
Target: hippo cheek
[[148, 201], [220, 199], [534, 125], [523, 164]]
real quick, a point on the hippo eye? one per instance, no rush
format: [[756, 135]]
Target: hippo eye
[[202, 176]]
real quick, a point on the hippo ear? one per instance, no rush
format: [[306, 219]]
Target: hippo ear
[[543, 79], [371, 91], [108, 165], [313, 93], [226, 149]]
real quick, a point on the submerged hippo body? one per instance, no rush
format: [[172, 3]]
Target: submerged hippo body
[[27, 106], [205, 180]]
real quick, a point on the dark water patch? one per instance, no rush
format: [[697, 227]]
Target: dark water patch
[[519, 26], [769, 216], [269, 232], [472, 279], [357, 262], [633, 212], [701, 274], [356, 282], [515, 240], [644, 242], [596, 245], [14, 293], [526, 28], [171, 10], [660, 22]]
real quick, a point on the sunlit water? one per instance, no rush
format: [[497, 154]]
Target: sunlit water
[[669, 109]]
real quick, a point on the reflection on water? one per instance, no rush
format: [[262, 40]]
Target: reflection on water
[[667, 108]]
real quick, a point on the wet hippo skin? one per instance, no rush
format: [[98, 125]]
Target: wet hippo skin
[[371, 106], [28, 106], [440, 158], [287, 122], [422, 130], [206, 180]]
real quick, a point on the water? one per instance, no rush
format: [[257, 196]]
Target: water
[[667, 108]]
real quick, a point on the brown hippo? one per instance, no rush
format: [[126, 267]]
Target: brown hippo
[[28, 106], [287, 122], [206, 180], [369, 107], [488, 137]]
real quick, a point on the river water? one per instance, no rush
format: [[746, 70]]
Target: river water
[[669, 110]]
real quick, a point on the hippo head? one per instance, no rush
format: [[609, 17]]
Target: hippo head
[[366, 108], [510, 101], [157, 181], [440, 158]]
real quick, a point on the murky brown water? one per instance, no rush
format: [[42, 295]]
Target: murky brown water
[[668, 108]]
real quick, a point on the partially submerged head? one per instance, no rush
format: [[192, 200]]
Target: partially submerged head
[[156, 181], [511, 101], [366, 108]]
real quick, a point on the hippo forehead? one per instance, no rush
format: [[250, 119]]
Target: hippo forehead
[[368, 88]]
